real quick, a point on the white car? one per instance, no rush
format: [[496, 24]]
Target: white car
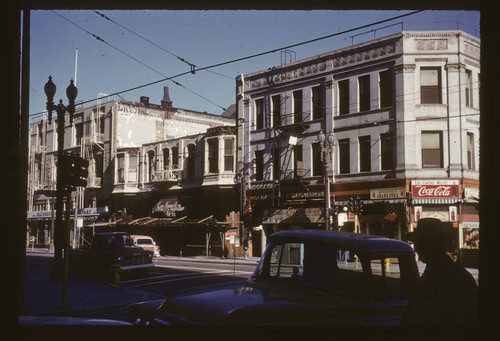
[[147, 243]]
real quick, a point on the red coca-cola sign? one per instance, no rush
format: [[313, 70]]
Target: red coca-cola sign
[[435, 191]]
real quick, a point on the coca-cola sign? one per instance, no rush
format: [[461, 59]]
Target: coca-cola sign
[[435, 189]]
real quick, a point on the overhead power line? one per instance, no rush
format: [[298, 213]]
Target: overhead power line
[[191, 65], [247, 57], [137, 60]]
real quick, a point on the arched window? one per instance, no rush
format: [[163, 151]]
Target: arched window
[[166, 159], [151, 164], [190, 160]]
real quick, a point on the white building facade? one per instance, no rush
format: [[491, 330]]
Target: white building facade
[[138, 153], [404, 111]]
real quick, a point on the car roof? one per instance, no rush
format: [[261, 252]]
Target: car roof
[[358, 242], [139, 236], [109, 233]]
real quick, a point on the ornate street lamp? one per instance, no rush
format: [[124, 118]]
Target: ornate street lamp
[[326, 143], [71, 93]]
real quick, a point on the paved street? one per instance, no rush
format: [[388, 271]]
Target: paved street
[[92, 296]]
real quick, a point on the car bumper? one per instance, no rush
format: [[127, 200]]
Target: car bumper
[[136, 267]]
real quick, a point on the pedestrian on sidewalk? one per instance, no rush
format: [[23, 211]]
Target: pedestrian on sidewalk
[[448, 293]]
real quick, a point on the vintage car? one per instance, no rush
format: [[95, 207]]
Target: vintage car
[[110, 249], [305, 277], [146, 242]]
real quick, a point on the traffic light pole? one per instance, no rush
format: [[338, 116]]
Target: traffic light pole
[[57, 264]]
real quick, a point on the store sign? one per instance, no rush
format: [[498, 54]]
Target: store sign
[[387, 193], [167, 208], [294, 215], [435, 189], [474, 234]]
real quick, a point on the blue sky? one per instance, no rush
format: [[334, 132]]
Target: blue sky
[[202, 38]]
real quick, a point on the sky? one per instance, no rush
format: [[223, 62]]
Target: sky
[[138, 47]]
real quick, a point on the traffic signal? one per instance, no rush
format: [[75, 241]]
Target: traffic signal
[[81, 172], [74, 171]]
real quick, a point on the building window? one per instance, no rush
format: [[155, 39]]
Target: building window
[[190, 160], [385, 88], [121, 168], [78, 134], [364, 154], [132, 167], [259, 165], [317, 165], [166, 158], [259, 113], [317, 103], [387, 151], [213, 155], [470, 151], [175, 157], [276, 103], [297, 161], [297, 106], [468, 88], [276, 163], [432, 149], [344, 97], [151, 164], [228, 155], [344, 156], [364, 93], [430, 85]]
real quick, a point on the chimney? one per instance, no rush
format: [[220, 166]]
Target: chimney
[[166, 103], [145, 100]]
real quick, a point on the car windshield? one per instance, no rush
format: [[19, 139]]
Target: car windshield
[[142, 241], [325, 268]]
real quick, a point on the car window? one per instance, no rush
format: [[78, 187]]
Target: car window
[[386, 278], [141, 241], [317, 265]]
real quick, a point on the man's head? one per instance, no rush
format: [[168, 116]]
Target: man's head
[[429, 238]]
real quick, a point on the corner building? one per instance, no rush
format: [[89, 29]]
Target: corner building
[[404, 111]]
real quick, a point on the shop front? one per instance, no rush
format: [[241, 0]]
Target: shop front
[[441, 199]]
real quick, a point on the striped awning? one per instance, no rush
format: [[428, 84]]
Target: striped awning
[[446, 201]]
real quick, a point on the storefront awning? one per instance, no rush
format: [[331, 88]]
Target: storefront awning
[[433, 201]]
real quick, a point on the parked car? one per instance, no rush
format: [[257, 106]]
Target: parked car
[[306, 277], [147, 243], [109, 249]]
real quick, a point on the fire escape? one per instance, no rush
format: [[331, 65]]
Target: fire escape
[[93, 144], [287, 134]]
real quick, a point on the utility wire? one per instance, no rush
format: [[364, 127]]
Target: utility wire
[[191, 65], [135, 59], [247, 57], [261, 54]]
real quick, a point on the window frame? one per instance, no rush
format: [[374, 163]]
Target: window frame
[[364, 153], [259, 165], [259, 113], [343, 96], [364, 95], [425, 156], [344, 156], [387, 148], [431, 94]]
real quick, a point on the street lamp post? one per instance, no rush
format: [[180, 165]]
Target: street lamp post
[[59, 233], [326, 143]]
